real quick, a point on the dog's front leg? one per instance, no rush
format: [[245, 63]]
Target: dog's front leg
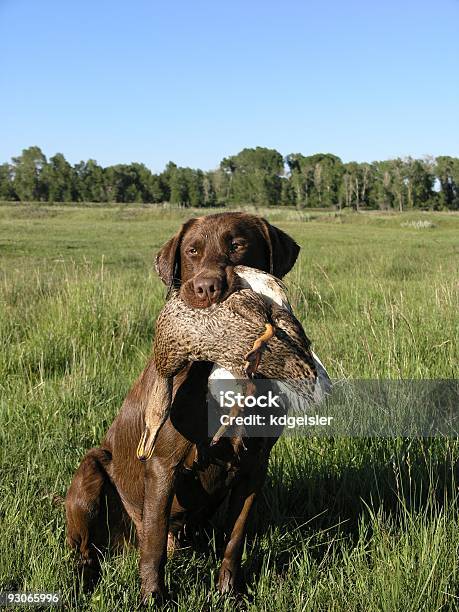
[[159, 491], [160, 476], [241, 501]]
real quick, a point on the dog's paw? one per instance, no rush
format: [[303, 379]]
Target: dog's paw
[[227, 581], [155, 595]]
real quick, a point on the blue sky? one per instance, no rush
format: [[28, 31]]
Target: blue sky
[[194, 81]]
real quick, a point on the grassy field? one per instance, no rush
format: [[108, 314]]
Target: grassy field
[[344, 524]]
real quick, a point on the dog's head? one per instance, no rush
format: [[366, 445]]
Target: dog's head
[[201, 257]]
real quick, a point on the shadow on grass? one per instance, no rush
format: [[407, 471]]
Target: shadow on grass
[[403, 479], [398, 479]]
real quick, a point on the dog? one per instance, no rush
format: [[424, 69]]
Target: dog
[[179, 486]]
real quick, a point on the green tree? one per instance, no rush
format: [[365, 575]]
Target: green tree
[[178, 187], [219, 186], [166, 179], [419, 182], [382, 195], [254, 176], [446, 170], [210, 194], [90, 180], [398, 182], [356, 183], [287, 193], [6, 183], [27, 170], [301, 177], [59, 180], [391, 184], [315, 179], [195, 186], [128, 183], [154, 190]]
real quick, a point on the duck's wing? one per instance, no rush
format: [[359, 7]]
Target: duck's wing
[[286, 322], [249, 307], [275, 293], [267, 285]]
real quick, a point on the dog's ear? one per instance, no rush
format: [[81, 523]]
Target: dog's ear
[[283, 250], [167, 261]]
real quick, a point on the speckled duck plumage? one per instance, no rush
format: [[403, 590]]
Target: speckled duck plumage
[[225, 334]]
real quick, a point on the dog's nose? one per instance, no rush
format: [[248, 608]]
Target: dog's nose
[[207, 288]]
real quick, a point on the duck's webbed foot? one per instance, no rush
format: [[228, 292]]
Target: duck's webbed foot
[[156, 414], [253, 357]]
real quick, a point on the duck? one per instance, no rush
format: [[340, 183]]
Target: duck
[[252, 333]]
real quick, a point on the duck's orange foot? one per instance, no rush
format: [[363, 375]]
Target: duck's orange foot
[[253, 357]]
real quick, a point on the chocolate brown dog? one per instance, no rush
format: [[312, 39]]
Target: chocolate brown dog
[[112, 487]]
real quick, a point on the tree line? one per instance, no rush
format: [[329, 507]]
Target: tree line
[[258, 176]]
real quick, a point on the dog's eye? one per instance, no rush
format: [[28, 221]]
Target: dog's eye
[[235, 246], [192, 251]]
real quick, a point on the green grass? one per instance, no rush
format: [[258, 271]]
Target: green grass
[[344, 524]]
